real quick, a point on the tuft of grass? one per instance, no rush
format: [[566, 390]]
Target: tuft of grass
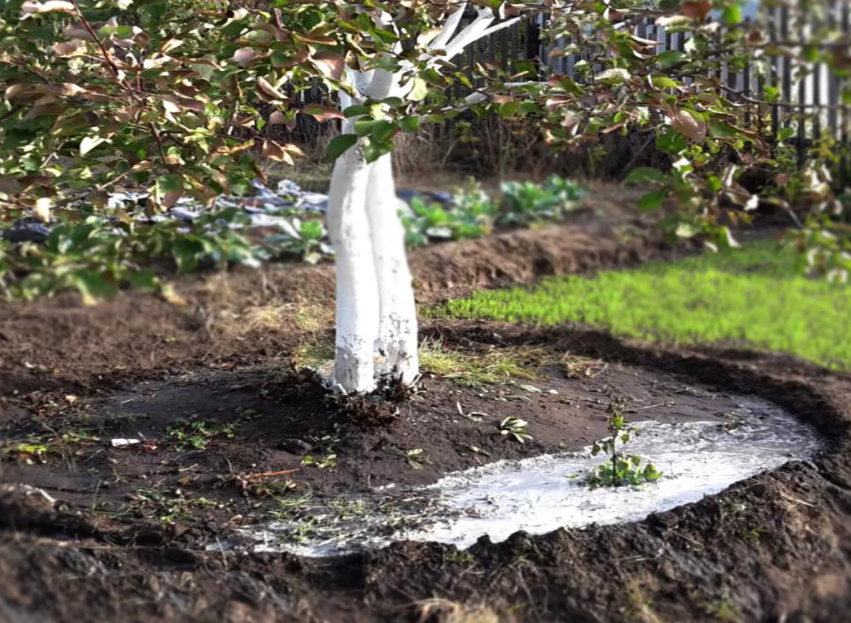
[[315, 353], [197, 434], [314, 318], [446, 611], [472, 370], [753, 297], [276, 316]]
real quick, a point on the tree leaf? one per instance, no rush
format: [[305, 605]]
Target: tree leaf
[[696, 10], [645, 175], [652, 200], [419, 91], [245, 56], [733, 14], [686, 123], [340, 144], [265, 89], [613, 76], [92, 285], [356, 111], [89, 143], [329, 64], [410, 123], [671, 58], [276, 152], [322, 113]]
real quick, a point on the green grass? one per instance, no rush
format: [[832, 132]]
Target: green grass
[[755, 297], [490, 368]]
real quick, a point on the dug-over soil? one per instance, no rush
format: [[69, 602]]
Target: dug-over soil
[[266, 422], [89, 532], [59, 344]]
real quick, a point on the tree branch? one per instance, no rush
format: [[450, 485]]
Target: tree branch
[[449, 28]]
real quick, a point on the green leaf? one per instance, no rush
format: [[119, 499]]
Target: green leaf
[[356, 111], [785, 134], [144, 279], [92, 285], [363, 127], [508, 109], [670, 59], [187, 252], [645, 175], [170, 184], [311, 230], [527, 108], [340, 144], [373, 150], [652, 200], [664, 82], [420, 90], [383, 131], [810, 54], [733, 14], [672, 142], [410, 124]]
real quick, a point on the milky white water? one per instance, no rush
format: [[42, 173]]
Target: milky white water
[[542, 494]]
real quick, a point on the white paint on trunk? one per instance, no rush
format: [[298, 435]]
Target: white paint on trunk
[[397, 331], [376, 312], [357, 284]]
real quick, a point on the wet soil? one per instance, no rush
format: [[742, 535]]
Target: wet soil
[[91, 532], [228, 446]]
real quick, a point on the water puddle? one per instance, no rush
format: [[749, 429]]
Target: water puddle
[[542, 494]]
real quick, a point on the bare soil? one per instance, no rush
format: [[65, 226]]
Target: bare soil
[[127, 532]]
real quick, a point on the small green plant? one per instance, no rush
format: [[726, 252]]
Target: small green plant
[[620, 469], [327, 461], [723, 610], [27, 451], [197, 434], [326, 446], [302, 237], [428, 221], [524, 203], [516, 429], [98, 257], [462, 557], [268, 488], [79, 437], [471, 216], [167, 507]]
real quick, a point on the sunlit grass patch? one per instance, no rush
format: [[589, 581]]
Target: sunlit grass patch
[[498, 365], [315, 353], [755, 297], [469, 369]]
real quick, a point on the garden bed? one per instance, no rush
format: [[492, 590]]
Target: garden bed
[[151, 531]]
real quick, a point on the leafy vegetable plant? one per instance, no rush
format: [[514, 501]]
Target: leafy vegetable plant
[[516, 429], [524, 203], [620, 469], [303, 238]]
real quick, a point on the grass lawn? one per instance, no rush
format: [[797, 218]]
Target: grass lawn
[[756, 296]]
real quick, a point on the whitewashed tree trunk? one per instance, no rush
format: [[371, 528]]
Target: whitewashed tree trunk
[[376, 311], [357, 284], [397, 329]]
